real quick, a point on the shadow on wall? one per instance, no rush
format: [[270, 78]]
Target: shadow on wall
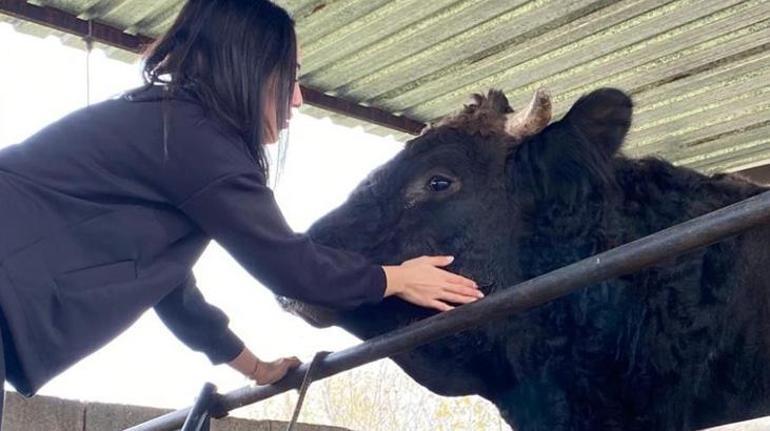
[[55, 414]]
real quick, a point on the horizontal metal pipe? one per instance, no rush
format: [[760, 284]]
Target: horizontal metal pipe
[[626, 259]]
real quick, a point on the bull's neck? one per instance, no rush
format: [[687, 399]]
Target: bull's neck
[[562, 234]]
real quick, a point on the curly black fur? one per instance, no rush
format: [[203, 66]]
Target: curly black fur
[[680, 345]]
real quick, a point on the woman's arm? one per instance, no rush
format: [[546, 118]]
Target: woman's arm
[[204, 328], [198, 324], [240, 213]]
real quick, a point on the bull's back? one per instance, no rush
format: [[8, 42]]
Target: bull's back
[[738, 367], [707, 313]]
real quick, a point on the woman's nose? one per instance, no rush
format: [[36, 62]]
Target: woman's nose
[[296, 97]]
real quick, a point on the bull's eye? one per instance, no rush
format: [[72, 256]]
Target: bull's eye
[[438, 183]]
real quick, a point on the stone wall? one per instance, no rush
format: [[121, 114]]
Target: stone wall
[[54, 414]]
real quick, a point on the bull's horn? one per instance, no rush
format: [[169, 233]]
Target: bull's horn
[[531, 120]]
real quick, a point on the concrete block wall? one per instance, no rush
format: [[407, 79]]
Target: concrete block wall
[[54, 414]]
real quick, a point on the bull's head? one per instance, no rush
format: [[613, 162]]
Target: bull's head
[[478, 185]]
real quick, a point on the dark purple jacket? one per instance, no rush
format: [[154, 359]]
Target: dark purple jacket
[[99, 221]]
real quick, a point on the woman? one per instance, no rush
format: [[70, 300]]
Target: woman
[[105, 211]]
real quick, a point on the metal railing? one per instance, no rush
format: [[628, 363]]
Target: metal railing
[[626, 259]]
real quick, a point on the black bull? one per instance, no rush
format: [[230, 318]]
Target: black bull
[[681, 345]]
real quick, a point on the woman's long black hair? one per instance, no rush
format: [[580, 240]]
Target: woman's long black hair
[[232, 55]]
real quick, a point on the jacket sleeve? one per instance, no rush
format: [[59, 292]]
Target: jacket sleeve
[[240, 213], [198, 324]]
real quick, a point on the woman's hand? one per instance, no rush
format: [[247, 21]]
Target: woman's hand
[[263, 373], [266, 373], [421, 281]]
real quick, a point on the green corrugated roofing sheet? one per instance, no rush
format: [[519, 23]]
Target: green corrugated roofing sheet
[[699, 70]]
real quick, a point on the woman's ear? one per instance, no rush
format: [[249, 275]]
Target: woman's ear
[[603, 117]]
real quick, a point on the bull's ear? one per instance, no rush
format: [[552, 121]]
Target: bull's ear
[[603, 117]]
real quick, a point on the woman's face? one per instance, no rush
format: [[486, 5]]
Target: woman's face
[[271, 128]]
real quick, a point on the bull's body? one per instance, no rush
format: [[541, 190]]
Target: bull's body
[[684, 344]]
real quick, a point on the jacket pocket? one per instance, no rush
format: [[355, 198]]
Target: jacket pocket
[[97, 276]]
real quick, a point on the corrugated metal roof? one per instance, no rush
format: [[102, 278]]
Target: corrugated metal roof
[[699, 69]]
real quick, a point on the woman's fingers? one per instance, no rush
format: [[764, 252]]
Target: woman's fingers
[[422, 281], [432, 260], [457, 299], [439, 261], [459, 279], [465, 291], [271, 372], [288, 363], [440, 306]]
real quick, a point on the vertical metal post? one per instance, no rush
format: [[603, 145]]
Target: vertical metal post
[[89, 40], [199, 418]]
